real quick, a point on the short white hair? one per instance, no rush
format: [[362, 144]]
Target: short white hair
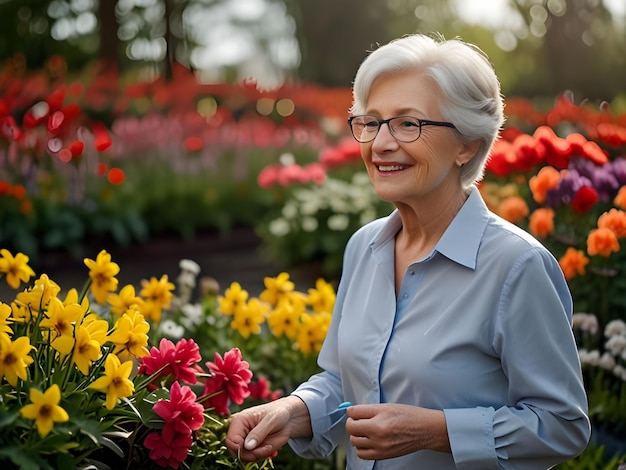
[[472, 100]]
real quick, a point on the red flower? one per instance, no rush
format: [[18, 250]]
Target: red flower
[[217, 398], [261, 390], [171, 453], [181, 412], [233, 373], [179, 360], [584, 199]]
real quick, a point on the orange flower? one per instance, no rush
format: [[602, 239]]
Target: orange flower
[[513, 209], [541, 222], [573, 263], [614, 220], [620, 199], [546, 179], [603, 242]]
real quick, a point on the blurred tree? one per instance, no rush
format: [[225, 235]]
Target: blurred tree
[[555, 44]]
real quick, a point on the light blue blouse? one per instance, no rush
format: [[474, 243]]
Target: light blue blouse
[[481, 329]]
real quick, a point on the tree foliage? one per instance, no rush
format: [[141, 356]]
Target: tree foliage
[[557, 44]]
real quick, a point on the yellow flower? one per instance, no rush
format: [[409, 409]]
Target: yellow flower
[[16, 269], [45, 409], [86, 350], [130, 335], [157, 295], [14, 358], [115, 382], [60, 319], [313, 329], [285, 320], [72, 298], [102, 272], [248, 318], [234, 297], [322, 298], [38, 296], [276, 288], [124, 300], [5, 313]]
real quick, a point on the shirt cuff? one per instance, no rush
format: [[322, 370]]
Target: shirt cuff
[[470, 431]]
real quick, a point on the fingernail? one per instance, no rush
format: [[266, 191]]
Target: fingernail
[[250, 444]]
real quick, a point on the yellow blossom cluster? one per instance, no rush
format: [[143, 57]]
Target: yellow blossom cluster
[[302, 317]]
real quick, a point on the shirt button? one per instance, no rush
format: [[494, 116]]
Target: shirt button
[[406, 296], [411, 272]]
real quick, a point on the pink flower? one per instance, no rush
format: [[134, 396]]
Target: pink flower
[[171, 453], [217, 398], [261, 390], [181, 413], [180, 360], [233, 374]]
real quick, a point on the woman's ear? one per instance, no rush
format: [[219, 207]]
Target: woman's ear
[[467, 150]]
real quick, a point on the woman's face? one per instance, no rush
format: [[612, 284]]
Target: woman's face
[[405, 173]]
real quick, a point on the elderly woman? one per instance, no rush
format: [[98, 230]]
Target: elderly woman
[[451, 334]]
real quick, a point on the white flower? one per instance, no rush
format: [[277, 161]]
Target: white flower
[[309, 224], [279, 227], [585, 322], [607, 361], [615, 328], [190, 266], [589, 357], [171, 329], [289, 211], [616, 344], [338, 222], [192, 315]]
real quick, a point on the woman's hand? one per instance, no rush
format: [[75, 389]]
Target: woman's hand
[[259, 432], [388, 430]]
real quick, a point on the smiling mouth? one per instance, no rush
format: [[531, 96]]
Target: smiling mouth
[[384, 168]]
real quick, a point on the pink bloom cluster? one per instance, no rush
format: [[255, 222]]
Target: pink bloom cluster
[[182, 416], [227, 379], [178, 360]]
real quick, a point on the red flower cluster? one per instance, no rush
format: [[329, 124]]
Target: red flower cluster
[[177, 364], [178, 360], [182, 416], [229, 381]]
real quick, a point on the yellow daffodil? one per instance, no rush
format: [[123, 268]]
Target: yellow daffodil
[[248, 319], [313, 329], [38, 296], [72, 298], [45, 409], [276, 288], [234, 297], [86, 350], [14, 358], [115, 382], [124, 300], [60, 319], [97, 328], [157, 295], [130, 335], [5, 313], [20, 312], [15, 268], [285, 320], [102, 272], [322, 297]]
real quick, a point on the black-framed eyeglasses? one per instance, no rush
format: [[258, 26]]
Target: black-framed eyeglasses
[[403, 128]]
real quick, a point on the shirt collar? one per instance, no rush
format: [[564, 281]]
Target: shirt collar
[[461, 240]]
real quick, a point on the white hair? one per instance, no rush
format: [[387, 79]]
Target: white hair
[[472, 100]]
